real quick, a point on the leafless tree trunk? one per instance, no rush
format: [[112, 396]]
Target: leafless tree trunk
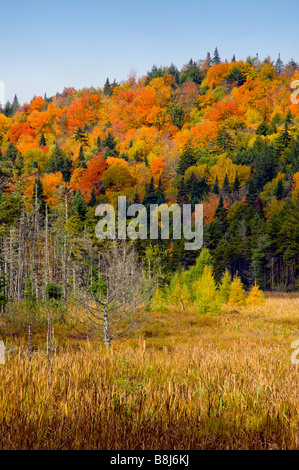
[[114, 313]]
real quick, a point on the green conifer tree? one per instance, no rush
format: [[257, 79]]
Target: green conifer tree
[[79, 206]]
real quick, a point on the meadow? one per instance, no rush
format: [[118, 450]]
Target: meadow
[[181, 381]]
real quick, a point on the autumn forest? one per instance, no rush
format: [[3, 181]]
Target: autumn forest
[[220, 133], [142, 344]]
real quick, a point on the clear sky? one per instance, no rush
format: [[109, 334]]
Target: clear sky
[[47, 45]]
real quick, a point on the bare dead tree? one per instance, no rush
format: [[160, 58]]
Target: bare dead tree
[[114, 311]]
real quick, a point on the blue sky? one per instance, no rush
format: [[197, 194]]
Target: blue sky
[[47, 45]]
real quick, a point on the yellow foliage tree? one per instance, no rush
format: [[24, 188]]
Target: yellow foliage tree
[[255, 296], [237, 294]]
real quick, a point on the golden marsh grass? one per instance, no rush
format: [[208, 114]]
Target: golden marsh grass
[[182, 382]]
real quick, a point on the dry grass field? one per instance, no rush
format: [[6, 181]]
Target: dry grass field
[[182, 381]]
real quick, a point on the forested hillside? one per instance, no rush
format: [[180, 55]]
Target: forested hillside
[[224, 134]]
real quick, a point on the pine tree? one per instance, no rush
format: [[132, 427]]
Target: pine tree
[[59, 162], [278, 65], [160, 193], [182, 197], [225, 186], [81, 160], [252, 192], [99, 143], [8, 109], [206, 297], [11, 152], [224, 141], [216, 59], [42, 140], [225, 287], [80, 136], [107, 88], [15, 105], [282, 141], [186, 160], [234, 58], [237, 183], [93, 198], [279, 190], [237, 292], [79, 206], [262, 128], [150, 194], [216, 186], [221, 211], [255, 296], [288, 119]]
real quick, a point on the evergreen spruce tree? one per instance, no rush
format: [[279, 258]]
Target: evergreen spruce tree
[[216, 186], [279, 190], [182, 197], [288, 119], [8, 109], [225, 186], [80, 136], [221, 211], [99, 143], [59, 162], [42, 140], [81, 160], [262, 128], [93, 198], [79, 206], [252, 192], [282, 141], [224, 141], [186, 160], [15, 105], [11, 152], [160, 193], [107, 88], [225, 287], [237, 184], [278, 65], [150, 194], [216, 59]]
